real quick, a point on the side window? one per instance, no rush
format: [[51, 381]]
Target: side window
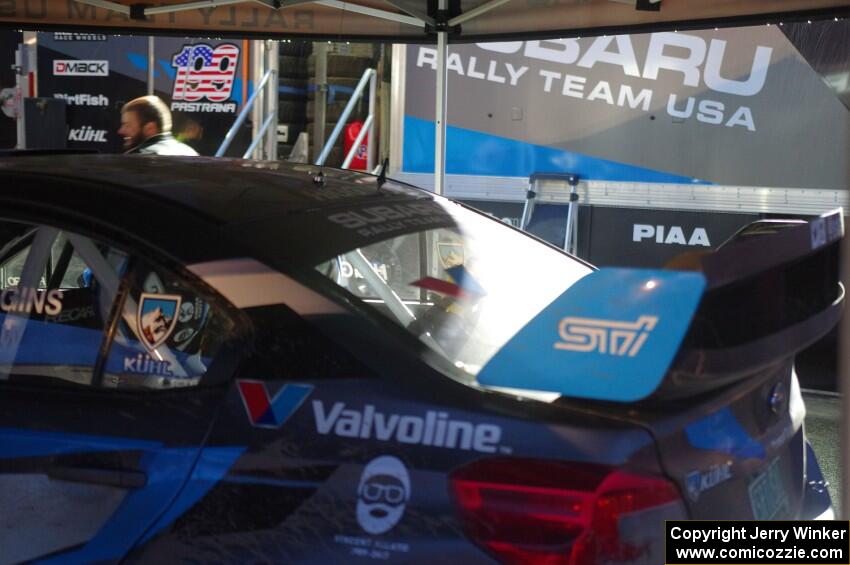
[[56, 294], [168, 332], [395, 262]]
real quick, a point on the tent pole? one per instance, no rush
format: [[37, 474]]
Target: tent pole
[[844, 386], [258, 68], [440, 111], [272, 63], [151, 63]]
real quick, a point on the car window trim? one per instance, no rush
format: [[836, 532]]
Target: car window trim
[[240, 339], [14, 323]]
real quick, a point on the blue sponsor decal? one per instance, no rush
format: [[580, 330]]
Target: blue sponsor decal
[[471, 152], [212, 466], [140, 514], [723, 432], [170, 71], [141, 62], [610, 336], [27, 443]]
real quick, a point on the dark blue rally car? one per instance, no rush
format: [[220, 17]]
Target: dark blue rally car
[[229, 361]]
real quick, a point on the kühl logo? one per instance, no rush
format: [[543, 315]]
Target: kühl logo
[[605, 336], [265, 412]]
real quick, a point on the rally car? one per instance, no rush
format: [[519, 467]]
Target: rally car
[[232, 361]]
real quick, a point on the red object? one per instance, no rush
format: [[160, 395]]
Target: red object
[[528, 511], [359, 161], [441, 286]]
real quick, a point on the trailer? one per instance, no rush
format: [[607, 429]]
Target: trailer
[[678, 138]]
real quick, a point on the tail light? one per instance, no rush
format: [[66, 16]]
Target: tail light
[[556, 513]]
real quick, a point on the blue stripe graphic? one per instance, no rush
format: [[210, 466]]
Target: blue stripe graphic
[[471, 152], [212, 466], [166, 471], [25, 443], [722, 432], [168, 488], [283, 483]]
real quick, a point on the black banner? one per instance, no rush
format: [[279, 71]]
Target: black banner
[[95, 75], [9, 98], [758, 542]]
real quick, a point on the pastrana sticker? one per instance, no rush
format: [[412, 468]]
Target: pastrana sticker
[[205, 72], [157, 318]]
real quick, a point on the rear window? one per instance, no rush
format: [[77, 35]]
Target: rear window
[[463, 290]]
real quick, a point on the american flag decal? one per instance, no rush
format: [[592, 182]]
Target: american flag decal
[[205, 72]]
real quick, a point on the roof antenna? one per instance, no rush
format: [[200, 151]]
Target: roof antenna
[[382, 174]]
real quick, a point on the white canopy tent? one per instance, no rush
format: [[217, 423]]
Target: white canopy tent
[[429, 21], [393, 21]]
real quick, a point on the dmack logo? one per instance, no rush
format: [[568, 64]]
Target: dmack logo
[[265, 412], [81, 68], [605, 336]]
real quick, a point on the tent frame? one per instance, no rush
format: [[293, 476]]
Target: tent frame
[[441, 25], [442, 30]]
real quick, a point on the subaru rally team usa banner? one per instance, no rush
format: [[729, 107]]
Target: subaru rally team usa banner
[[200, 80]]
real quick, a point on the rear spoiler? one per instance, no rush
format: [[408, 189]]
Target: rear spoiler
[[767, 296], [627, 334]]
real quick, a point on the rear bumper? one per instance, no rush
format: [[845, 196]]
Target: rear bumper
[[817, 504]]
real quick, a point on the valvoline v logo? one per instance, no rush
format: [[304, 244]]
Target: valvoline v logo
[[265, 412]]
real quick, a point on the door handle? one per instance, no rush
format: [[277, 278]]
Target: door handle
[[122, 478]]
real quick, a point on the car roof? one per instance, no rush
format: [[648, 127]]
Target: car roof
[[277, 212], [227, 191]]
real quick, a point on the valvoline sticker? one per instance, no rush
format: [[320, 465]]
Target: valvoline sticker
[[611, 336]]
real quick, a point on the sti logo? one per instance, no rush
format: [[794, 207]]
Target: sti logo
[[205, 72], [605, 336], [265, 412]]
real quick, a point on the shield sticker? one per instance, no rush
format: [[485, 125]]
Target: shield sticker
[[157, 318], [451, 253]]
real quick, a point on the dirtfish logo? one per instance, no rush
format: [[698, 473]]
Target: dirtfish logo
[[608, 337], [83, 99]]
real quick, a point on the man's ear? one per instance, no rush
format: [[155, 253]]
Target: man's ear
[[150, 129]]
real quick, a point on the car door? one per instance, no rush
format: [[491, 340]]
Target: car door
[[111, 371]]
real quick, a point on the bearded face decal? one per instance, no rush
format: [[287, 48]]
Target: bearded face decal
[[382, 495]]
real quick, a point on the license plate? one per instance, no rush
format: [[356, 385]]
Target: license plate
[[767, 494]]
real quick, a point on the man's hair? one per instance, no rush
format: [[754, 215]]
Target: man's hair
[[150, 109]]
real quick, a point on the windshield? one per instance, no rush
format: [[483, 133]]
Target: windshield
[[464, 291]]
